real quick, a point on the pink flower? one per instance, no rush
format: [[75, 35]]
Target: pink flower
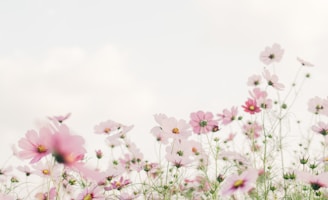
[[261, 98], [315, 181], [35, 146], [25, 169], [272, 80], [60, 118], [45, 170], [178, 153], [251, 106], [118, 184], [271, 54], [252, 129], [91, 193], [304, 63], [159, 134], [242, 183], [176, 129], [202, 122], [67, 149], [47, 195], [318, 106], [228, 116], [254, 80], [106, 127], [321, 128]]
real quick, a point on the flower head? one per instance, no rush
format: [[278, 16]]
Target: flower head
[[272, 80], [321, 128], [318, 106], [271, 54], [35, 145], [202, 122], [304, 63], [60, 118], [243, 182], [251, 106], [228, 116]]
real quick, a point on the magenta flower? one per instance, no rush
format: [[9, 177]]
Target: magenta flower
[[272, 54], [321, 128], [202, 122], [316, 181], [272, 80], [251, 106], [228, 116], [242, 183], [318, 106], [304, 63], [35, 146]]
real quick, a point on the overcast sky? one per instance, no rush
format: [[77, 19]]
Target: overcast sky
[[128, 60]]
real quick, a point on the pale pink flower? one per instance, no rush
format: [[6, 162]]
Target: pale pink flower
[[6, 197], [60, 118], [271, 54], [118, 184], [159, 118], [261, 98], [252, 129], [239, 183], [114, 140], [272, 80], [254, 80], [159, 135], [315, 181], [35, 145], [178, 153], [106, 127], [46, 195], [321, 128], [251, 106], [304, 63], [318, 106], [25, 169], [5, 173], [176, 129], [92, 193], [45, 170], [228, 116], [202, 122]]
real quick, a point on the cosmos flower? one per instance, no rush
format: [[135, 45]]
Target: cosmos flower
[[228, 116], [271, 54], [60, 118], [318, 106], [35, 145], [106, 127], [316, 181], [176, 129], [239, 183], [321, 128], [272, 80], [91, 193], [304, 63], [254, 80], [202, 122], [251, 106]]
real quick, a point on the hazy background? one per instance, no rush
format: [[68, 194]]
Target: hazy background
[[127, 60]]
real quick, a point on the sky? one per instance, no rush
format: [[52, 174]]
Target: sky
[[128, 60]]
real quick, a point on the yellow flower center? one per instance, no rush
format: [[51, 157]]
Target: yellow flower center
[[87, 197], [46, 172], [238, 183], [252, 108], [41, 149], [175, 131], [107, 130], [194, 150]]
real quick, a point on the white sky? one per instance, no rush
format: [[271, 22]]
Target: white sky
[[127, 60]]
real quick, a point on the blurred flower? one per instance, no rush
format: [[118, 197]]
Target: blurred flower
[[47, 195], [318, 106], [254, 80], [315, 181], [106, 127], [91, 193], [242, 183], [272, 80], [271, 54], [228, 116], [60, 118], [304, 63], [202, 122], [321, 128]]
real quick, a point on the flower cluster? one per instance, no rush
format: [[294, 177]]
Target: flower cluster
[[242, 152]]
